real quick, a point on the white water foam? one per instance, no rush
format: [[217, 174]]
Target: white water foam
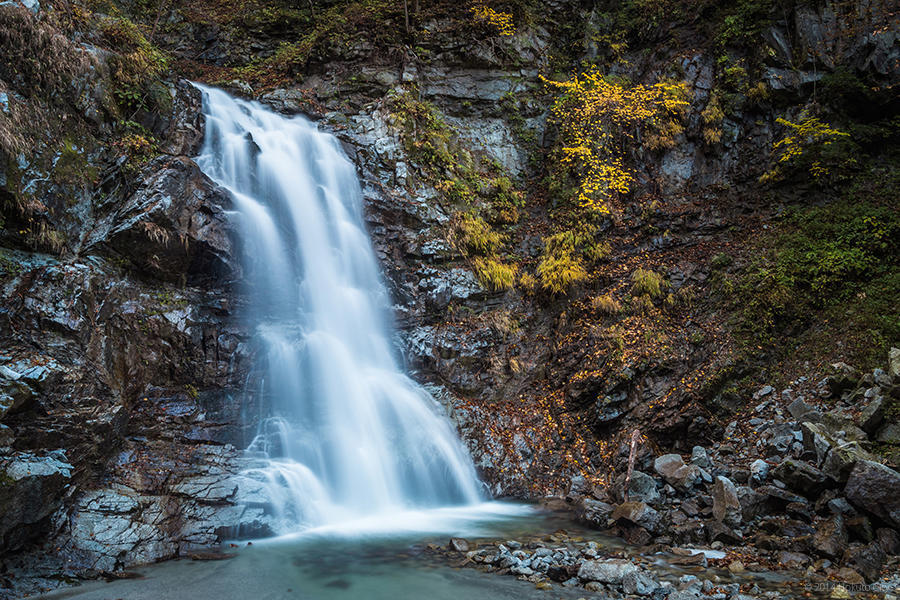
[[350, 437]]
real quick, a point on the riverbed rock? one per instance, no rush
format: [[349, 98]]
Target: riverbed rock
[[639, 583], [606, 571], [642, 488], [459, 544]]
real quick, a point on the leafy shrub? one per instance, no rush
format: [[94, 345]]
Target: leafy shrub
[[647, 283], [471, 235], [559, 268], [712, 117], [605, 304], [501, 22], [641, 304], [494, 275]]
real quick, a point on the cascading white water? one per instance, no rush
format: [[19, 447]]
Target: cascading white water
[[350, 434]]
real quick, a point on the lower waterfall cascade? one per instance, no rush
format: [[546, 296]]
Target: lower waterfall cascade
[[349, 434]]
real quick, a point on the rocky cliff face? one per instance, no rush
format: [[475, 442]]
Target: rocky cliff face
[[124, 371]]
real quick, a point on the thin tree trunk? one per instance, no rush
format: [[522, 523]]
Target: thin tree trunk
[[406, 14], [635, 437]]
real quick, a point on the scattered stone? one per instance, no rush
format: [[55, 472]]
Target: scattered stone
[[866, 560], [639, 582], [889, 434], [726, 504], [801, 411], [759, 470], [606, 571], [593, 511], [872, 416], [830, 538], [793, 560], [672, 468], [894, 363], [700, 457], [841, 459], [839, 592], [642, 488], [736, 567]]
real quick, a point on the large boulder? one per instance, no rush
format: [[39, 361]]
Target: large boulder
[[642, 488], [842, 458], [593, 512], [875, 488], [638, 513]]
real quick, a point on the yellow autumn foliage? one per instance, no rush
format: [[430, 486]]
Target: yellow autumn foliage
[[501, 21], [599, 118]]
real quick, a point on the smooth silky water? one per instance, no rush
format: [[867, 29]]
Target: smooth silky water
[[348, 434]]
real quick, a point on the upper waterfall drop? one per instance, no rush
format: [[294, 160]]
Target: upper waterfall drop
[[350, 434]]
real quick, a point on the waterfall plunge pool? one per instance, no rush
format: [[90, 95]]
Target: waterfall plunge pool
[[397, 558]]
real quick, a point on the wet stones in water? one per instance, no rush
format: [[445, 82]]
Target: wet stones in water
[[459, 545]]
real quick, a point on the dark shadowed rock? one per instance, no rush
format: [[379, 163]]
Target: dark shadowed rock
[[872, 415], [174, 226], [752, 502], [889, 540], [31, 490], [866, 560], [801, 477], [874, 487]]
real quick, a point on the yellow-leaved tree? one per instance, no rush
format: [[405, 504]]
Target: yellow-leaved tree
[[598, 119]]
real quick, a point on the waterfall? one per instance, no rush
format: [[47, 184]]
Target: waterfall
[[350, 435]]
